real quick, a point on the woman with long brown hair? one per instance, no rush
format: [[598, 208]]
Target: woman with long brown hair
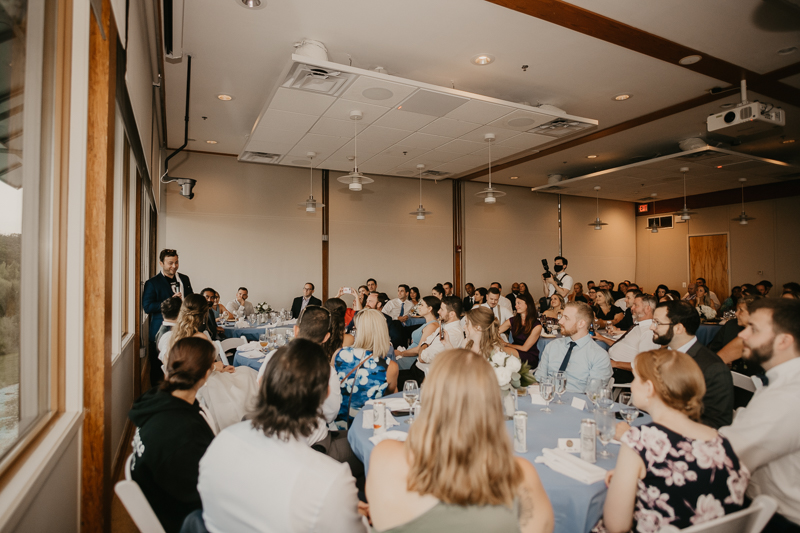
[[456, 471], [525, 329], [483, 333]]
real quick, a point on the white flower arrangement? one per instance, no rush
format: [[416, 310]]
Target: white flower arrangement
[[510, 371], [706, 311], [263, 307]]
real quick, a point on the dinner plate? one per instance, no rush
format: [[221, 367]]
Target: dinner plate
[[548, 335]]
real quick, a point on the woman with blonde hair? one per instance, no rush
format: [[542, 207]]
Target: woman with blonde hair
[[605, 311], [675, 470], [483, 334], [365, 373], [456, 471]]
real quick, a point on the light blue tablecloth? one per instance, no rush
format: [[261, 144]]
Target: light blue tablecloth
[[241, 360], [251, 333], [577, 507]]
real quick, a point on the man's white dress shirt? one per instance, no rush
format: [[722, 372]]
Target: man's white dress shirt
[[305, 303], [501, 313], [393, 308], [505, 303], [252, 483], [637, 340], [621, 304], [235, 305], [566, 283], [455, 334], [766, 437]]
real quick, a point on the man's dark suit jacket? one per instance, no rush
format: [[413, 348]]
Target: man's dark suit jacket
[[718, 401], [297, 304], [468, 303], [156, 290]]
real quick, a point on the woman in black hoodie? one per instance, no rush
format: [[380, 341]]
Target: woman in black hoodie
[[173, 433]]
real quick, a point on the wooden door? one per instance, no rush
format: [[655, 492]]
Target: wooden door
[[708, 258]]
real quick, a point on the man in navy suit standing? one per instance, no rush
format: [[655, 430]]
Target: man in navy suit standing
[[166, 284]]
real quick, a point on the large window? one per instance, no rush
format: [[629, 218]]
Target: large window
[[27, 73]]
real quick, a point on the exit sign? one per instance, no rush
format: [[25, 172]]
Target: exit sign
[[643, 208]]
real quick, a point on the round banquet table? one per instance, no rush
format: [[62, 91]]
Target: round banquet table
[[577, 507], [253, 362], [254, 332]]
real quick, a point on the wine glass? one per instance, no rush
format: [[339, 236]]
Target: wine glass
[[629, 411], [606, 426], [560, 384], [264, 340], [546, 390], [410, 395], [593, 388]]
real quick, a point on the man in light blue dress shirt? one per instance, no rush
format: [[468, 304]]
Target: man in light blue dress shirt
[[586, 359]]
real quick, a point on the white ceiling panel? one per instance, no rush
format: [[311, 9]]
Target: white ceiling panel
[[272, 147], [382, 163], [378, 92], [432, 103], [404, 120], [500, 134], [304, 102], [274, 119], [423, 140], [525, 141], [520, 120], [498, 152], [332, 126], [438, 157], [447, 127], [404, 151], [477, 111], [341, 110], [461, 146], [324, 144], [380, 133], [277, 136]]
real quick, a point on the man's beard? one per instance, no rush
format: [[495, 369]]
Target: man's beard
[[567, 332], [758, 354], [665, 339]]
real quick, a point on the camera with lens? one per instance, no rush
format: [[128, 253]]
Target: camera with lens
[[547, 273]]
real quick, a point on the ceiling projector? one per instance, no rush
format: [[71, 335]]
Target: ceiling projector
[[746, 119]]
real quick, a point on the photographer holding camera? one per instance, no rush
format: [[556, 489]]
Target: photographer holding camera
[[561, 282]]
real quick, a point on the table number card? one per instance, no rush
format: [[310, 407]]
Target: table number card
[[570, 445], [579, 404]]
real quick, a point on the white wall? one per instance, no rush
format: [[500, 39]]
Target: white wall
[[770, 244], [372, 234], [244, 228]]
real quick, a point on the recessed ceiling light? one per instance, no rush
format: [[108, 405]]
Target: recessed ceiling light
[[514, 177], [788, 141], [591, 157], [621, 97], [225, 97], [787, 51], [252, 4], [690, 60], [483, 59], [211, 142]]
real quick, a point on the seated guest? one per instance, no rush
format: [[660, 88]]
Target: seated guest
[[482, 332], [636, 340], [172, 434], [469, 299], [438, 291], [730, 302], [704, 300], [577, 294], [449, 315], [730, 348], [170, 308], [493, 303], [479, 297], [590, 285], [503, 302], [414, 296], [674, 325], [690, 295], [749, 288], [555, 309], [575, 353], [525, 329], [260, 475], [339, 338], [766, 434], [674, 470], [241, 302], [361, 298], [427, 484], [661, 291], [763, 287], [448, 288], [791, 287], [376, 301], [428, 309], [523, 288], [372, 285], [591, 296], [711, 295], [364, 371], [399, 307], [604, 309], [616, 295], [307, 298], [512, 296], [217, 308], [192, 320], [791, 295], [627, 317], [215, 331]]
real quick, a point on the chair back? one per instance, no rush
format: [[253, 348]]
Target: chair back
[[137, 505], [743, 382], [750, 520], [221, 352]]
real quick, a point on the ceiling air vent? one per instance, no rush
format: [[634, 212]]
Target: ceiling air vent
[[560, 127], [317, 79], [259, 157], [435, 174]]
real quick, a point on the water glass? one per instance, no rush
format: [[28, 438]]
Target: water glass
[[410, 395], [606, 427], [264, 340], [546, 390], [629, 411], [593, 388], [560, 384]]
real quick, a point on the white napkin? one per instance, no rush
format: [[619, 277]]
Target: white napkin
[[242, 324], [393, 435], [571, 466], [368, 420], [536, 398], [251, 346], [392, 404]]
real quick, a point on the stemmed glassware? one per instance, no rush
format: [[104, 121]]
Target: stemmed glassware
[[606, 426], [629, 411], [593, 389], [560, 385], [546, 390], [410, 395]]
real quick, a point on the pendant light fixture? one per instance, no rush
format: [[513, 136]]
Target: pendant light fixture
[[311, 204], [653, 227], [684, 213], [743, 219], [355, 179], [490, 194], [420, 212], [598, 224]]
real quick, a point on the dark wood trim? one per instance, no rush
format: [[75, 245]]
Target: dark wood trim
[[137, 262], [458, 235], [96, 457], [594, 25], [326, 200], [122, 446], [756, 193]]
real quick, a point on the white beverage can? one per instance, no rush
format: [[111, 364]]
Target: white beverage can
[[589, 440], [378, 418], [520, 431]]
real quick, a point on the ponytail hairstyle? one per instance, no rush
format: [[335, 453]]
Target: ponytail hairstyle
[[676, 378], [190, 359], [483, 318], [337, 307], [191, 319]]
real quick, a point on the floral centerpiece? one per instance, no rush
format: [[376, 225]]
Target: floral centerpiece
[[263, 308], [511, 373], [706, 312]]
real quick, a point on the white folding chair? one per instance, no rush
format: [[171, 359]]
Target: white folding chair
[[229, 344], [221, 353], [136, 504], [743, 382], [750, 520]]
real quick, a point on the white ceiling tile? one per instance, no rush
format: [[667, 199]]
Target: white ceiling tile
[[404, 120], [462, 164], [278, 136], [408, 152], [434, 103], [368, 145], [272, 147], [479, 111], [380, 133], [304, 102], [498, 152], [521, 120], [525, 141], [341, 110], [274, 119], [423, 140], [377, 92], [312, 142], [448, 127], [461, 146], [500, 134], [337, 164], [438, 157], [332, 126], [381, 163]]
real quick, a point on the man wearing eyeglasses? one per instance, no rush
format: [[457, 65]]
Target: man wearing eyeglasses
[[166, 284], [301, 302]]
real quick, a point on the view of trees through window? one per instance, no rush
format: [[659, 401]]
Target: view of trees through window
[[9, 336]]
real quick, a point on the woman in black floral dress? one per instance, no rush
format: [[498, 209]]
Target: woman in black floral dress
[[675, 470]]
